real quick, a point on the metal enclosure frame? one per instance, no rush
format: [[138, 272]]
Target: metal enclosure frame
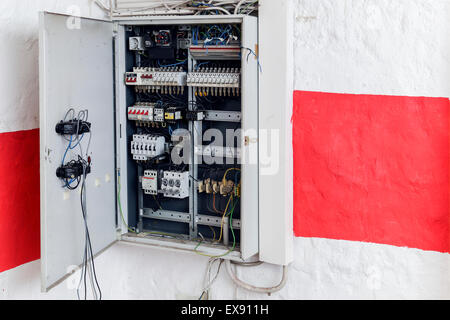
[[250, 173]]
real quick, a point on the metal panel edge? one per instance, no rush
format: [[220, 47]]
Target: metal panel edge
[[276, 89], [42, 147], [250, 170], [121, 123]]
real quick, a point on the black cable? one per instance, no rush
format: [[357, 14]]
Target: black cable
[[89, 255]]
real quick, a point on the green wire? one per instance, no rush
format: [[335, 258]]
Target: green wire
[[120, 204], [232, 232], [169, 235], [123, 219]]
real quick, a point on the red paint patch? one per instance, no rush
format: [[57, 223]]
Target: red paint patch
[[19, 198], [372, 168]]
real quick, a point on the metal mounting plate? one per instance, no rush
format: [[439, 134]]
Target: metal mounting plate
[[167, 215], [225, 116], [214, 221]]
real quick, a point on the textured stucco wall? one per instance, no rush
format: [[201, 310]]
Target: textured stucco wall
[[19, 84], [397, 47]]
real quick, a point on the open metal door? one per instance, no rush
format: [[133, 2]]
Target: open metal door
[[250, 172], [76, 70]]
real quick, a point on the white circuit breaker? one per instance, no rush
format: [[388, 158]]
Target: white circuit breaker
[[168, 79], [145, 147], [215, 81], [175, 184], [150, 182], [141, 112]]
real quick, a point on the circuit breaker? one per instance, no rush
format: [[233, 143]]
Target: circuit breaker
[[174, 134]]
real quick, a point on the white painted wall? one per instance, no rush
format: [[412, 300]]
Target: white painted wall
[[391, 47], [398, 47]]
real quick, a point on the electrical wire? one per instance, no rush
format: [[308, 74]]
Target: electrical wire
[[172, 65], [88, 266], [252, 288], [182, 7], [208, 282], [123, 217], [233, 234], [251, 52]]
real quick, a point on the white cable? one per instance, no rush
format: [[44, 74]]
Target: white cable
[[250, 287], [208, 283], [215, 8], [101, 6], [166, 7], [111, 8], [238, 6]]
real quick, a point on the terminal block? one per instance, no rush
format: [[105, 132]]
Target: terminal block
[[215, 81], [207, 50], [169, 80], [145, 147]]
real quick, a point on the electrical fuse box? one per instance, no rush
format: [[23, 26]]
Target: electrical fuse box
[[155, 105]]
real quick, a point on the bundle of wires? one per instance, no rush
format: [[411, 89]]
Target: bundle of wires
[[215, 35], [228, 7], [88, 265], [88, 273], [227, 214], [208, 281]]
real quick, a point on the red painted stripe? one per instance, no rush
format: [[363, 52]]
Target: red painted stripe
[[19, 198], [372, 168]]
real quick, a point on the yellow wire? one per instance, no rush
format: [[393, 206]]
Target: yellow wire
[[223, 218], [123, 218], [214, 205], [226, 172], [157, 202], [214, 233], [219, 256]]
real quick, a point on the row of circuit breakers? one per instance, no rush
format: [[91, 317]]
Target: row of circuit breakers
[[172, 80]]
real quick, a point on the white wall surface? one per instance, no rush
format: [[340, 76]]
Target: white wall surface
[[19, 56], [389, 47], [398, 47]]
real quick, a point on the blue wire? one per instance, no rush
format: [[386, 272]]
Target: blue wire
[[201, 64], [71, 148], [65, 153], [69, 183], [171, 65], [257, 58], [204, 4]]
